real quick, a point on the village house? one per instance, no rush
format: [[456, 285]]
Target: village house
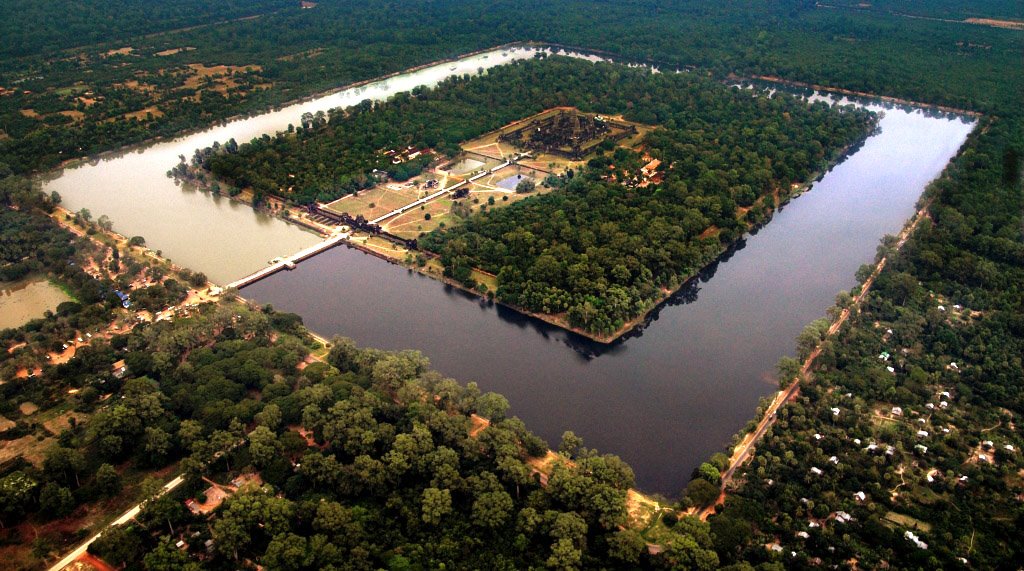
[[649, 169], [915, 539]]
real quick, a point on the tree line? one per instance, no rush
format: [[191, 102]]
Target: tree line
[[388, 440]]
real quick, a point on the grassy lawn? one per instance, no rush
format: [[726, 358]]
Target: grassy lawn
[[377, 201], [71, 89], [488, 145], [433, 267], [656, 531], [490, 281], [410, 224], [380, 245], [906, 521], [414, 222]]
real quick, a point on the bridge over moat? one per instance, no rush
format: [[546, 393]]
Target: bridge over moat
[[289, 262]]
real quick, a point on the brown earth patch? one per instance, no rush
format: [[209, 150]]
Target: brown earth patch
[[477, 424], [89, 562], [1006, 24], [215, 496], [545, 464], [28, 408], [709, 232], [76, 115], [63, 357], [29, 447], [24, 373], [640, 508], [60, 422], [120, 51], [200, 71], [217, 78], [135, 85], [31, 113], [173, 51], [141, 113]]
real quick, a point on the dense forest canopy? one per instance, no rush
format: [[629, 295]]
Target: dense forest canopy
[[968, 255], [34, 28], [305, 51], [603, 252], [389, 471], [991, 9], [331, 155]]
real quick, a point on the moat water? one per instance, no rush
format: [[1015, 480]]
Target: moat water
[[224, 239], [665, 399], [669, 398]]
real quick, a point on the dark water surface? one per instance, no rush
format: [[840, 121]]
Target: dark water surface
[[669, 398]]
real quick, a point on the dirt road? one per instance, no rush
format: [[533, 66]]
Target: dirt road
[[745, 448], [125, 518]]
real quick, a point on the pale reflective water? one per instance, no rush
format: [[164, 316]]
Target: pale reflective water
[[27, 299], [224, 239]]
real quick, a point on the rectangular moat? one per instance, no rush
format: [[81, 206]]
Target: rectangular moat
[[664, 400], [668, 398]]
